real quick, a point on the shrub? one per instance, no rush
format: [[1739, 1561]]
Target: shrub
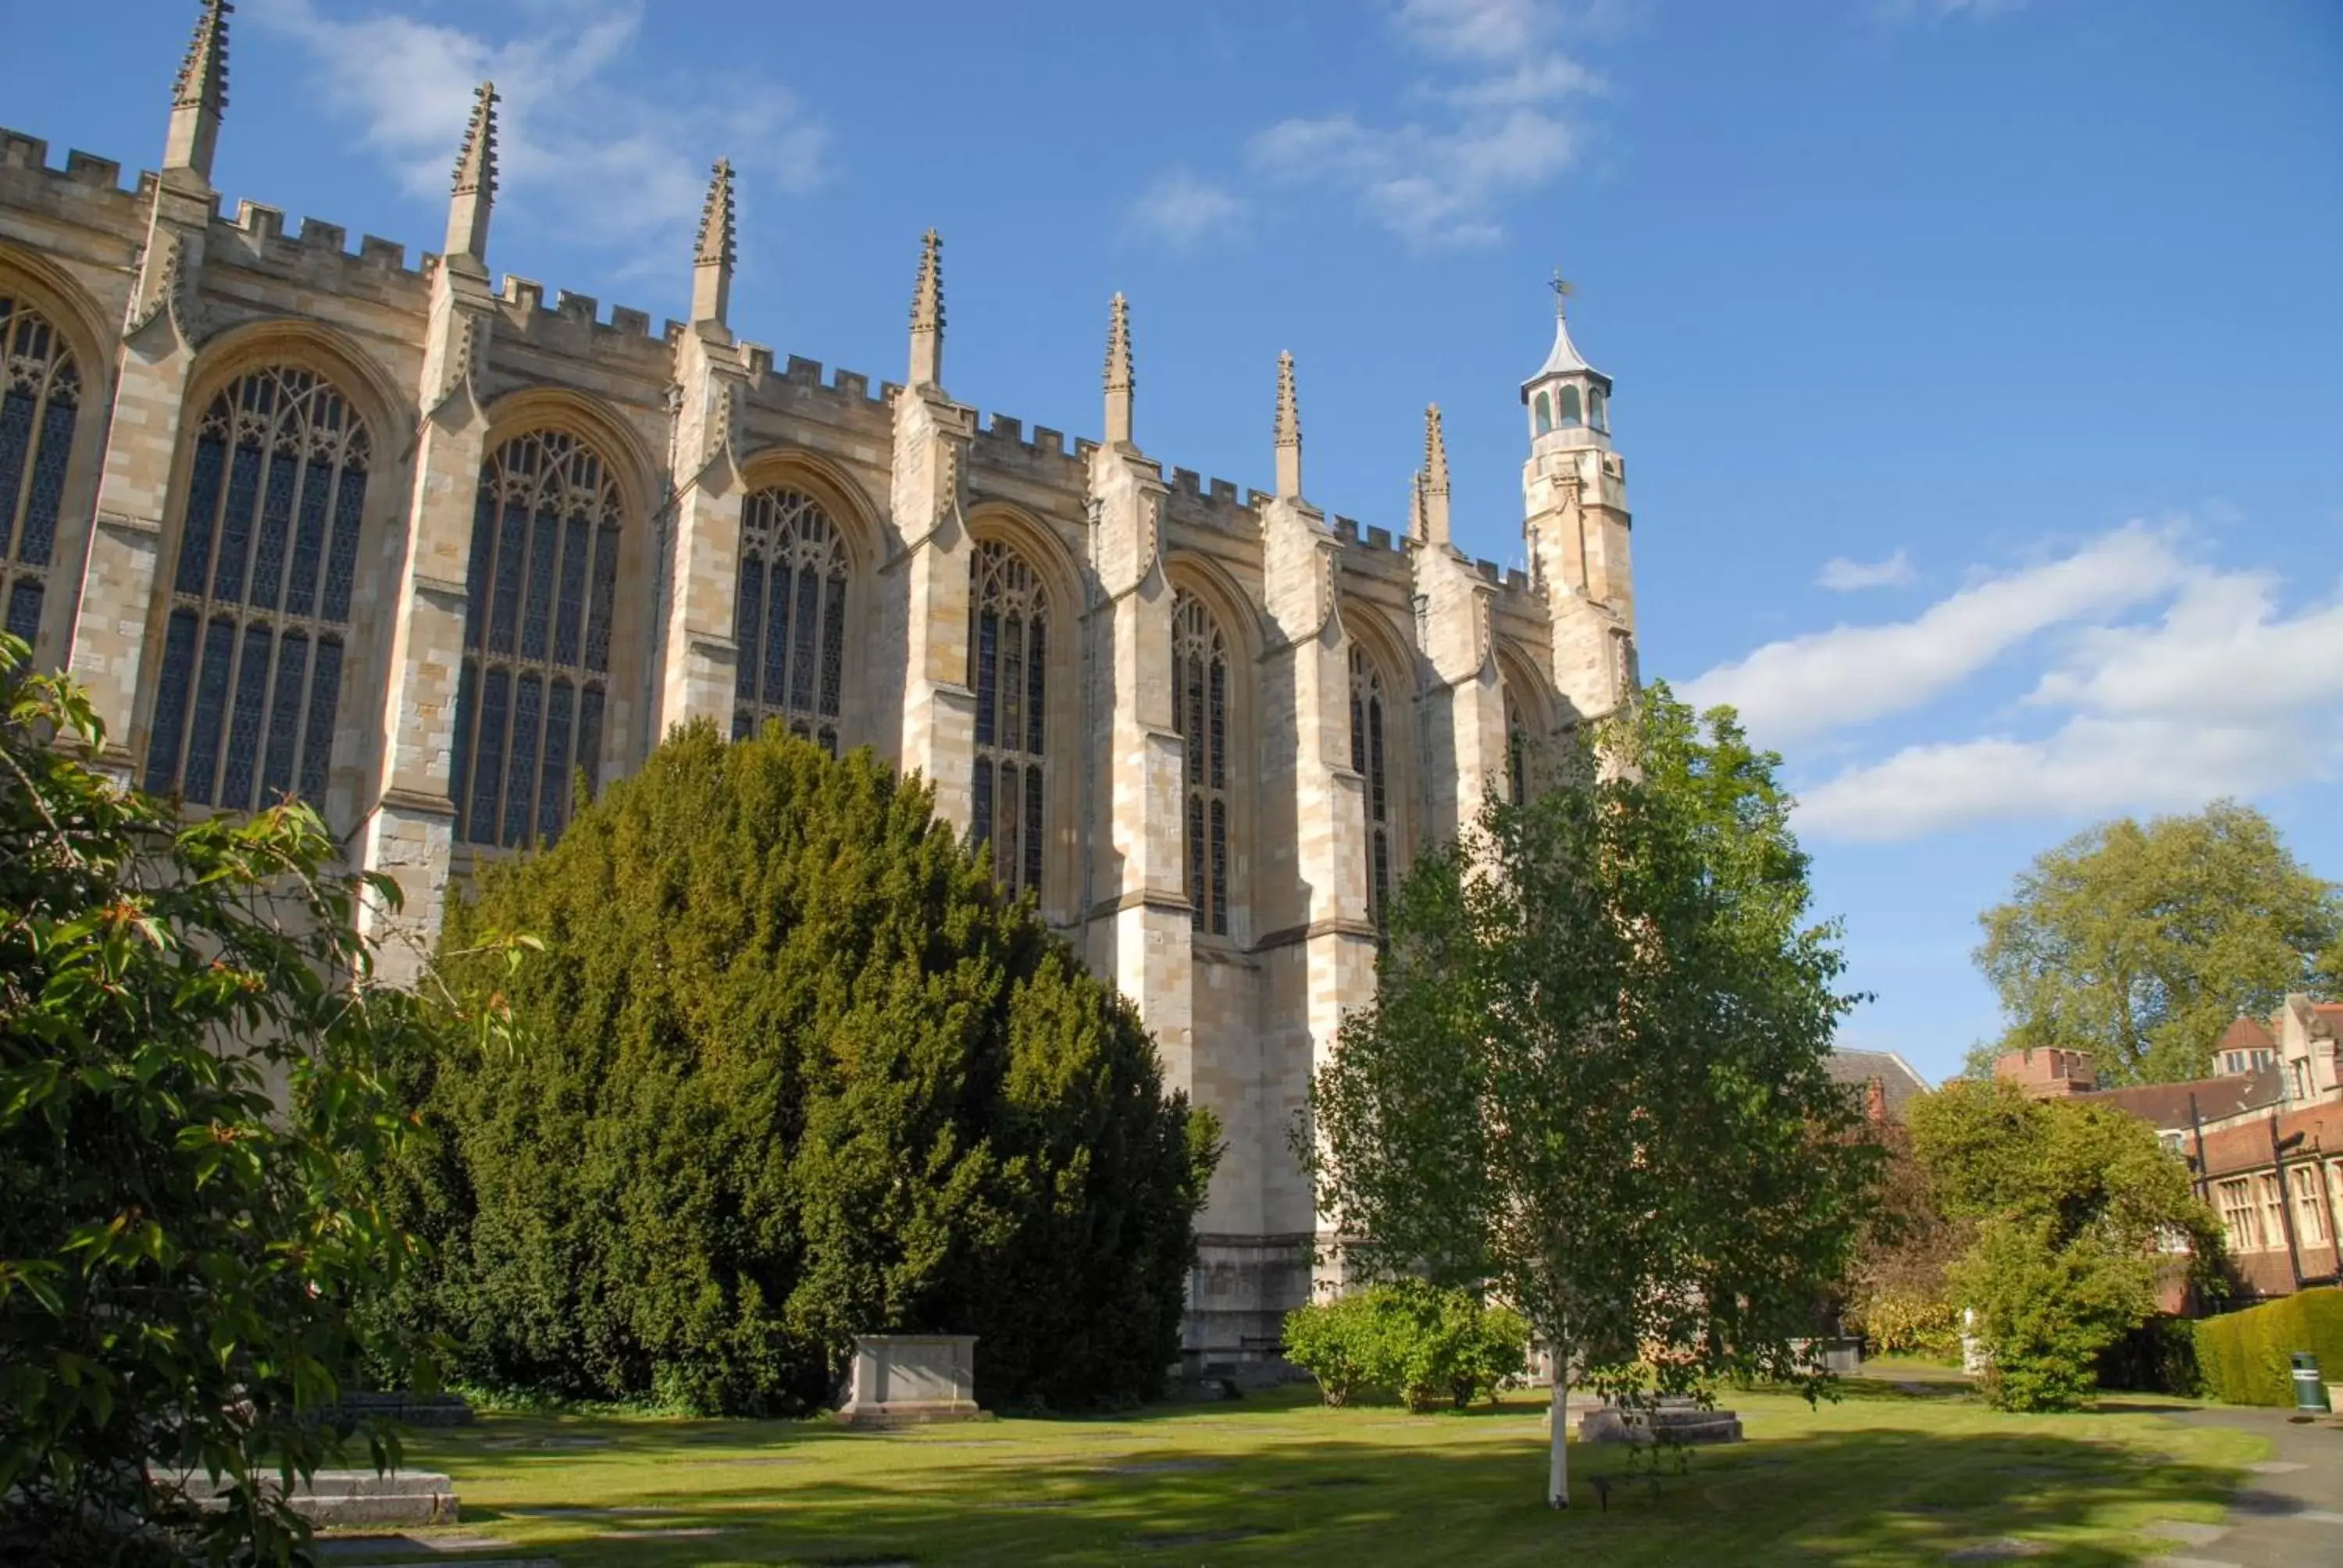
[[1411, 1339], [1338, 1342], [1896, 1323], [179, 1248], [2245, 1356], [2046, 1312], [789, 1068]]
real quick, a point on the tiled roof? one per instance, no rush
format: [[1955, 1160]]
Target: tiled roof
[[2165, 1106], [2247, 1034], [1856, 1068]]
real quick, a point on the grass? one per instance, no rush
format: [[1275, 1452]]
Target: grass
[[1896, 1473]]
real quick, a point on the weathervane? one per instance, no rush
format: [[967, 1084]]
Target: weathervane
[[1562, 289]]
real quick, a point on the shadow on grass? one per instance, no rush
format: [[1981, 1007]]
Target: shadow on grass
[[1877, 1496]]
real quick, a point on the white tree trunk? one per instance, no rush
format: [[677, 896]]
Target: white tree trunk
[[1557, 1476]]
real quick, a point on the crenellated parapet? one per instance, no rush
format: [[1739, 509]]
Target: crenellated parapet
[[1204, 727]]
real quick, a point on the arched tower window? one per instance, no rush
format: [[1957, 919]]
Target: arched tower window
[[1542, 408], [40, 393], [1598, 412], [1200, 712], [1570, 417], [1517, 752], [1370, 756], [792, 617], [544, 581], [260, 598], [1009, 660]]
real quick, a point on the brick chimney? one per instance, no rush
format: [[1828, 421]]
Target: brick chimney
[[2047, 1074]]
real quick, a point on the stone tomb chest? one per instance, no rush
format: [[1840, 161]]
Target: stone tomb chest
[[903, 1379]]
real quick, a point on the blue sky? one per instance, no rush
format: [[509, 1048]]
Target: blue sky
[[1977, 360]]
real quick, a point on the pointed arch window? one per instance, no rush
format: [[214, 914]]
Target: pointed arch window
[[1370, 758], [1568, 416], [1200, 698], [1545, 408], [256, 642], [1598, 412], [1517, 752], [1009, 660], [790, 618], [40, 395], [543, 584]]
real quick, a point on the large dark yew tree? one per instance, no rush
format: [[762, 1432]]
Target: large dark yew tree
[[789, 1067]]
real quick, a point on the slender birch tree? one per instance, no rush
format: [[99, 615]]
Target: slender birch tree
[[1595, 1080]]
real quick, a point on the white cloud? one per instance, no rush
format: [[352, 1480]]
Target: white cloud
[[1534, 81], [2222, 649], [1488, 127], [1184, 212], [1475, 29], [1434, 186], [1929, 11], [2222, 696], [1841, 575], [1851, 675], [584, 142]]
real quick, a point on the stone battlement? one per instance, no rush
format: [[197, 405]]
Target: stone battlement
[[20, 151]]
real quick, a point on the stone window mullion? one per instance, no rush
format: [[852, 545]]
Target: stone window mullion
[[1008, 671], [540, 601], [249, 684]]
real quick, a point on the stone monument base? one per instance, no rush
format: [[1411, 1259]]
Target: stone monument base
[[912, 1380], [1671, 1422], [353, 1496]]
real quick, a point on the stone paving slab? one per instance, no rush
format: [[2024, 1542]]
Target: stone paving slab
[[2287, 1517]]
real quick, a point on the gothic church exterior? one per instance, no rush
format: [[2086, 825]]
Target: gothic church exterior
[[418, 548]]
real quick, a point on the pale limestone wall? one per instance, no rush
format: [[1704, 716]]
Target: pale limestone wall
[[445, 364]]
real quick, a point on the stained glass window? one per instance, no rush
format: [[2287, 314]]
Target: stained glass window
[[1200, 711], [40, 393], [790, 618], [1008, 658], [544, 583], [253, 647], [1371, 758]]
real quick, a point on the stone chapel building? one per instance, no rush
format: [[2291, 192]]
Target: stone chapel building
[[420, 548]]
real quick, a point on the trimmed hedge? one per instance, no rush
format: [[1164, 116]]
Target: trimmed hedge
[[2243, 1356]]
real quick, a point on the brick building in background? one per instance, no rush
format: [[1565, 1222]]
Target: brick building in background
[[2263, 1137]]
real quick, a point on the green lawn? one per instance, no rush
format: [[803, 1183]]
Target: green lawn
[[1890, 1475]]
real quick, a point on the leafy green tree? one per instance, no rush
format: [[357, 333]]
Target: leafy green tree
[[2078, 1216], [1899, 1292], [2140, 943], [790, 1069], [1595, 1079], [180, 1247]]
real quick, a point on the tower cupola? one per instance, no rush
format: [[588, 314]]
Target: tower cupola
[[1569, 400]]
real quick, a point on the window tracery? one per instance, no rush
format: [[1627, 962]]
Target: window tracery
[[1200, 712], [1008, 671], [1517, 752], [40, 395], [543, 583], [1370, 758], [255, 644], [790, 618]]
